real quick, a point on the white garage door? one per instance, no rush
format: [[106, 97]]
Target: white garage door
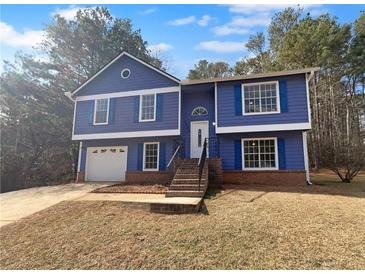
[[106, 163]]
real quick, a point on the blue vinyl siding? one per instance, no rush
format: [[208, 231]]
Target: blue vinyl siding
[[142, 77], [134, 154], [293, 148], [192, 98], [124, 119], [296, 99]]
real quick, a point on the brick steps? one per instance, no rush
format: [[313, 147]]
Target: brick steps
[[184, 193], [194, 187], [186, 180]]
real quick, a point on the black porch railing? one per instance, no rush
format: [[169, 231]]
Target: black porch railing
[[201, 162], [213, 147]]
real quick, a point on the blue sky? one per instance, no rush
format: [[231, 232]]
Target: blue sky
[[181, 34]]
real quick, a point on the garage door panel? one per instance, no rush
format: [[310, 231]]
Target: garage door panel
[[106, 163]]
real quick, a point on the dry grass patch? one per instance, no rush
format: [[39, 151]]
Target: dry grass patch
[[267, 228], [133, 188]]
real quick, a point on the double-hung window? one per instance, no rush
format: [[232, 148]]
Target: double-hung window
[[259, 153], [261, 98], [151, 156], [101, 111], [147, 108]]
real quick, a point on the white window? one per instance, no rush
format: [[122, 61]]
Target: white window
[[151, 156], [261, 98], [199, 111], [101, 111], [147, 110], [259, 153]]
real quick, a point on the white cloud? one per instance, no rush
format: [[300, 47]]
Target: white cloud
[[148, 11], [227, 30], [28, 38], [222, 47], [67, 13], [242, 25], [204, 20], [183, 21], [253, 9], [70, 12], [262, 20], [158, 48]]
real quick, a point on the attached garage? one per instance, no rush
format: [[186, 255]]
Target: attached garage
[[106, 163]]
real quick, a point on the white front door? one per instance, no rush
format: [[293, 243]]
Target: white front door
[[106, 163], [198, 132]]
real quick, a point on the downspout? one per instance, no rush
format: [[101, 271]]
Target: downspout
[[304, 133], [69, 96]]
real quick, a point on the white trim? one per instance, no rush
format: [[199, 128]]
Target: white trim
[[158, 156], [79, 160], [128, 93], [140, 109], [308, 99], [179, 121], [128, 134], [199, 107], [260, 168], [306, 159], [74, 118], [123, 70], [258, 84], [114, 60], [197, 122], [260, 128], [107, 112], [216, 104]]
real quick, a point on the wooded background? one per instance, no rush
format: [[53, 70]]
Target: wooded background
[[36, 117]]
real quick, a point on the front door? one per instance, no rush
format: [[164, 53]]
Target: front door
[[198, 132]]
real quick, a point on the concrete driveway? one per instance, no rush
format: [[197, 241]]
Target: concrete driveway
[[21, 203]]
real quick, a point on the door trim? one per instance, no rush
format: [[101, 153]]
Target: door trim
[[196, 122]]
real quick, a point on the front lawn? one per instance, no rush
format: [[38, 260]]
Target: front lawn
[[255, 228]]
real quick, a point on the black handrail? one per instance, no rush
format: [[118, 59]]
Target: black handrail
[[201, 162]]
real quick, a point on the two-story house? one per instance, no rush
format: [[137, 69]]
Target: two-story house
[[131, 117]]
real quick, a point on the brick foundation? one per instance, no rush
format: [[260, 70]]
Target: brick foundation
[[148, 177], [80, 178], [215, 172], [269, 177]]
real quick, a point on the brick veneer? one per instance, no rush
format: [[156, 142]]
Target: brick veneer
[[148, 177], [271, 177], [80, 177], [215, 172]]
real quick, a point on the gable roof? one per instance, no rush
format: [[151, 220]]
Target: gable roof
[[249, 76], [173, 78]]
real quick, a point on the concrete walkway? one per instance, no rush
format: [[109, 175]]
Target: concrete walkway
[[21, 203], [138, 198]]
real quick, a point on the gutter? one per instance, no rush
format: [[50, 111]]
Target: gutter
[[69, 96]]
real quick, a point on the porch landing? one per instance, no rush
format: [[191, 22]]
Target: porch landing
[[153, 202]]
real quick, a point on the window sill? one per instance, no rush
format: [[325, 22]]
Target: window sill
[[259, 169], [149, 169], [260, 113], [100, 124], [144, 121]]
